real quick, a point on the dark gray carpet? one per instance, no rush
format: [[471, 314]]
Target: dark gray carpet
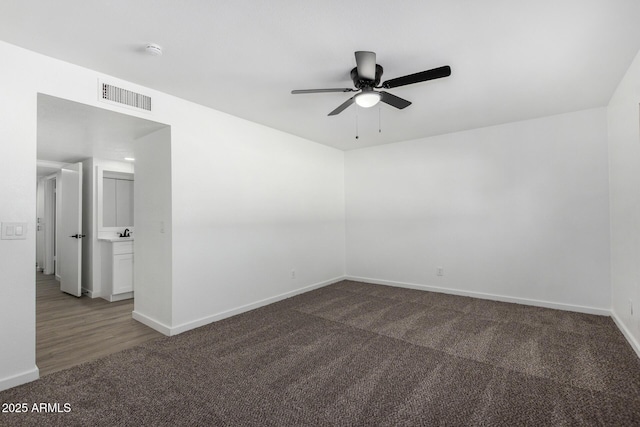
[[359, 354]]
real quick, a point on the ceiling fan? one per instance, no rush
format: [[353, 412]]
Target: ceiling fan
[[366, 79]]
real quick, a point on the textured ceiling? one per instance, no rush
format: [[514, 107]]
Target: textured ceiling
[[510, 60]]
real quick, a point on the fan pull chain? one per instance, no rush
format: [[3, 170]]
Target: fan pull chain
[[357, 123], [379, 120]]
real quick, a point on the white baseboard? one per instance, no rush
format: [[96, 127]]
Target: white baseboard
[[169, 331], [481, 295], [118, 297], [627, 334], [219, 316], [19, 379], [152, 323]]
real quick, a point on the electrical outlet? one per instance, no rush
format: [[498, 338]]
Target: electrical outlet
[[293, 274], [440, 271]]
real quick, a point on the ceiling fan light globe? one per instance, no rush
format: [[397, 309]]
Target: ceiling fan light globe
[[367, 99]]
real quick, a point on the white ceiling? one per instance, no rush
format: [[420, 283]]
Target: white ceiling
[[69, 132], [510, 60]]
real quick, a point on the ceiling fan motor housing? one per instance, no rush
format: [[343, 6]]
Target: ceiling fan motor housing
[[360, 83]]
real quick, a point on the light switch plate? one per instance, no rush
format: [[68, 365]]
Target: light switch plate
[[14, 231]]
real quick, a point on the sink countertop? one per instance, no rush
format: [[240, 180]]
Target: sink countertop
[[116, 239]]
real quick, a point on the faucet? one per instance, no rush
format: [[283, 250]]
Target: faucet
[[126, 233]]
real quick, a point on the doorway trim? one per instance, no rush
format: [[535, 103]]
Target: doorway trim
[[50, 223]]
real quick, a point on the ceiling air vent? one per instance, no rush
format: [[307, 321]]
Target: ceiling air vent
[[114, 94]]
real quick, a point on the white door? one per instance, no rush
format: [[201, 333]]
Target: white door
[[70, 233]]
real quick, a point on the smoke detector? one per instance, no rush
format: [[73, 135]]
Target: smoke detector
[[153, 49]]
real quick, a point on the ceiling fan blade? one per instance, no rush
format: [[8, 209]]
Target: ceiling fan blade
[[343, 106], [346, 89], [422, 76], [394, 101], [366, 62]]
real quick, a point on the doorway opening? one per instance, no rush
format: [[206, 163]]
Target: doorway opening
[[84, 283]]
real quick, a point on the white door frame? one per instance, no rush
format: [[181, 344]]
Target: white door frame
[[49, 223]]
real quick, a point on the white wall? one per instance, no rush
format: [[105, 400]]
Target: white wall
[[225, 172], [258, 205], [153, 237], [518, 211], [18, 195], [624, 160]]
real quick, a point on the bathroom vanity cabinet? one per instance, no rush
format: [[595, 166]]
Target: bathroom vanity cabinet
[[117, 268]]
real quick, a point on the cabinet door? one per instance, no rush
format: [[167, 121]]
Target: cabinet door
[[122, 273]]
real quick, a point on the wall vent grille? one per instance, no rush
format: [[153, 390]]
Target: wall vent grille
[[123, 96]]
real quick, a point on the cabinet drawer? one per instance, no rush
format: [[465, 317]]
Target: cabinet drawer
[[122, 248]]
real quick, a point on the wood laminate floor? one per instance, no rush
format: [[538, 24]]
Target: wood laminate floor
[[71, 331]]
